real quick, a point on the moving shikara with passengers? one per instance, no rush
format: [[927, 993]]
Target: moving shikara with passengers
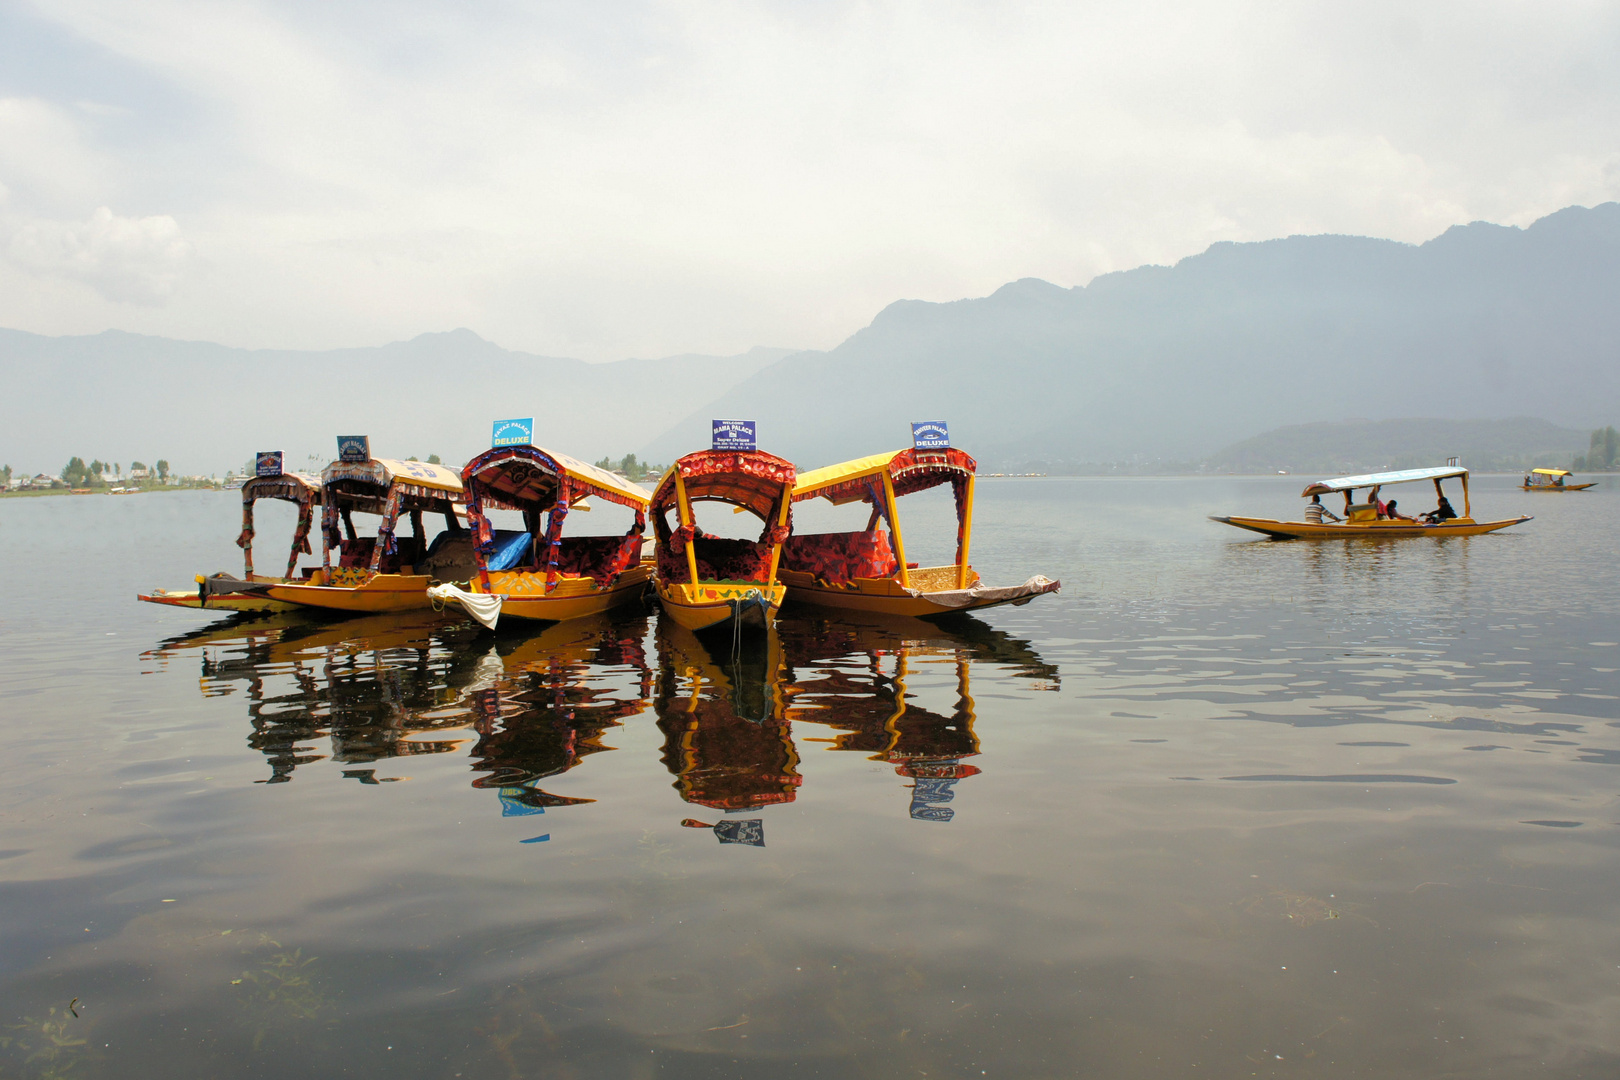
[[536, 572], [385, 572], [1552, 480], [222, 592], [866, 570], [1369, 519], [709, 582]]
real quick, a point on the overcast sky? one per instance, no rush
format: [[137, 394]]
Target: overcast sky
[[606, 180]]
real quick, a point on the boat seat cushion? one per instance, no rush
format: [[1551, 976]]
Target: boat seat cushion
[[835, 558], [600, 558], [718, 559]]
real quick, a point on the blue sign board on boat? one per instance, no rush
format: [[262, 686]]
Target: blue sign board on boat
[[930, 435], [732, 435], [354, 447], [513, 433], [267, 463]]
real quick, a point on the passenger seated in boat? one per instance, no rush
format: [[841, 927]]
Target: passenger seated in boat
[[1443, 512], [1395, 515], [1315, 513], [1378, 505]]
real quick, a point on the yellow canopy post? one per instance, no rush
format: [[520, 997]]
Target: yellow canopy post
[[894, 525], [967, 536], [684, 509]]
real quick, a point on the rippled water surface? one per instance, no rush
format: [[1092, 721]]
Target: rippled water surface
[[1223, 807]]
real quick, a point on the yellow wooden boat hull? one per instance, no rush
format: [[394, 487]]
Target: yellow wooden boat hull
[[249, 603], [375, 594], [1557, 487], [1366, 530], [710, 604], [573, 598], [886, 596]]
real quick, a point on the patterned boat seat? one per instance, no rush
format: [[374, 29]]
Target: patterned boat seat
[[836, 558]]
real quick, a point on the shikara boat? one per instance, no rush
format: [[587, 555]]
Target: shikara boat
[[1552, 480], [867, 570], [537, 573], [248, 593], [704, 581], [382, 573], [1363, 519]]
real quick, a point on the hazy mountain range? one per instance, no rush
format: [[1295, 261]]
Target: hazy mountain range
[[1157, 364], [1352, 446], [207, 408], [1173, 363]]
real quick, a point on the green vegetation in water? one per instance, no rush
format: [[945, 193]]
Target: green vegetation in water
[[1604, 455], [45, 1049], [280, 989]]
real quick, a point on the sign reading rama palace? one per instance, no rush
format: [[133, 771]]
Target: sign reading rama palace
[[732, 435], [930, 435], [267, 463], [513, 433], [354, 447]]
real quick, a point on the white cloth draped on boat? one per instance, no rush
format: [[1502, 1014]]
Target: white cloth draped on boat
[[482, 606]]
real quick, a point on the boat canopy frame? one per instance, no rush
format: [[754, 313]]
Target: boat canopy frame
[[1349, 484], [299, 488], [387, 487], [753, 480], [534, 481], [881, 479], [1551, 472]]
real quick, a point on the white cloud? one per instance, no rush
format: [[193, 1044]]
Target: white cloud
[[128, 260], [670, 175]]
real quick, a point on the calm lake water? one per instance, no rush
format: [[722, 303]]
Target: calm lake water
[[1223, 807]]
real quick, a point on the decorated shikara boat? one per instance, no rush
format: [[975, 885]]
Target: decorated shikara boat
[[708, 581], [249, 593], [1552, 480], [385, 572], [536, 572], [867, 570], [1368, 519]]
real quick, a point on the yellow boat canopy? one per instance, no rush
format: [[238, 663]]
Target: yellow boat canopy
[[1368, 480], [526, 477], [1552, 472], [296, 487], [909, 470], [385, 472]]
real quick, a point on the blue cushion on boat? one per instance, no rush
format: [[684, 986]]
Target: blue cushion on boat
[[511, 548]]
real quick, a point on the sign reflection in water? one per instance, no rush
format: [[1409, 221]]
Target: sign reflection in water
[[525, 709]]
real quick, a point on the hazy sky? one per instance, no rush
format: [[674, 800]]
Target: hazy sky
[[615, 179]]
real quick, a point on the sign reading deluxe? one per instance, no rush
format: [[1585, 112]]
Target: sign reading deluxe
[[930, 435], [513, 433], [732, 435]]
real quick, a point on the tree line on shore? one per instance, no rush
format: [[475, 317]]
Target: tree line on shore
[[1604, 455]]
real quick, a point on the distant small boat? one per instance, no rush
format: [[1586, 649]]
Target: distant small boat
[[538, 573], [249, 593], [1363, 519], [867, 570], [1552, 480], [376, 573], [707, 581]]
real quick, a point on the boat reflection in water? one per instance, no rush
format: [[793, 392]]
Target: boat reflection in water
[[531, 708], [727, 740], [853, 679], [545, 706], [393, 686]]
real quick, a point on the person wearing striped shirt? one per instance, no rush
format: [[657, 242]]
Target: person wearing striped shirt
[[1316, 512]]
